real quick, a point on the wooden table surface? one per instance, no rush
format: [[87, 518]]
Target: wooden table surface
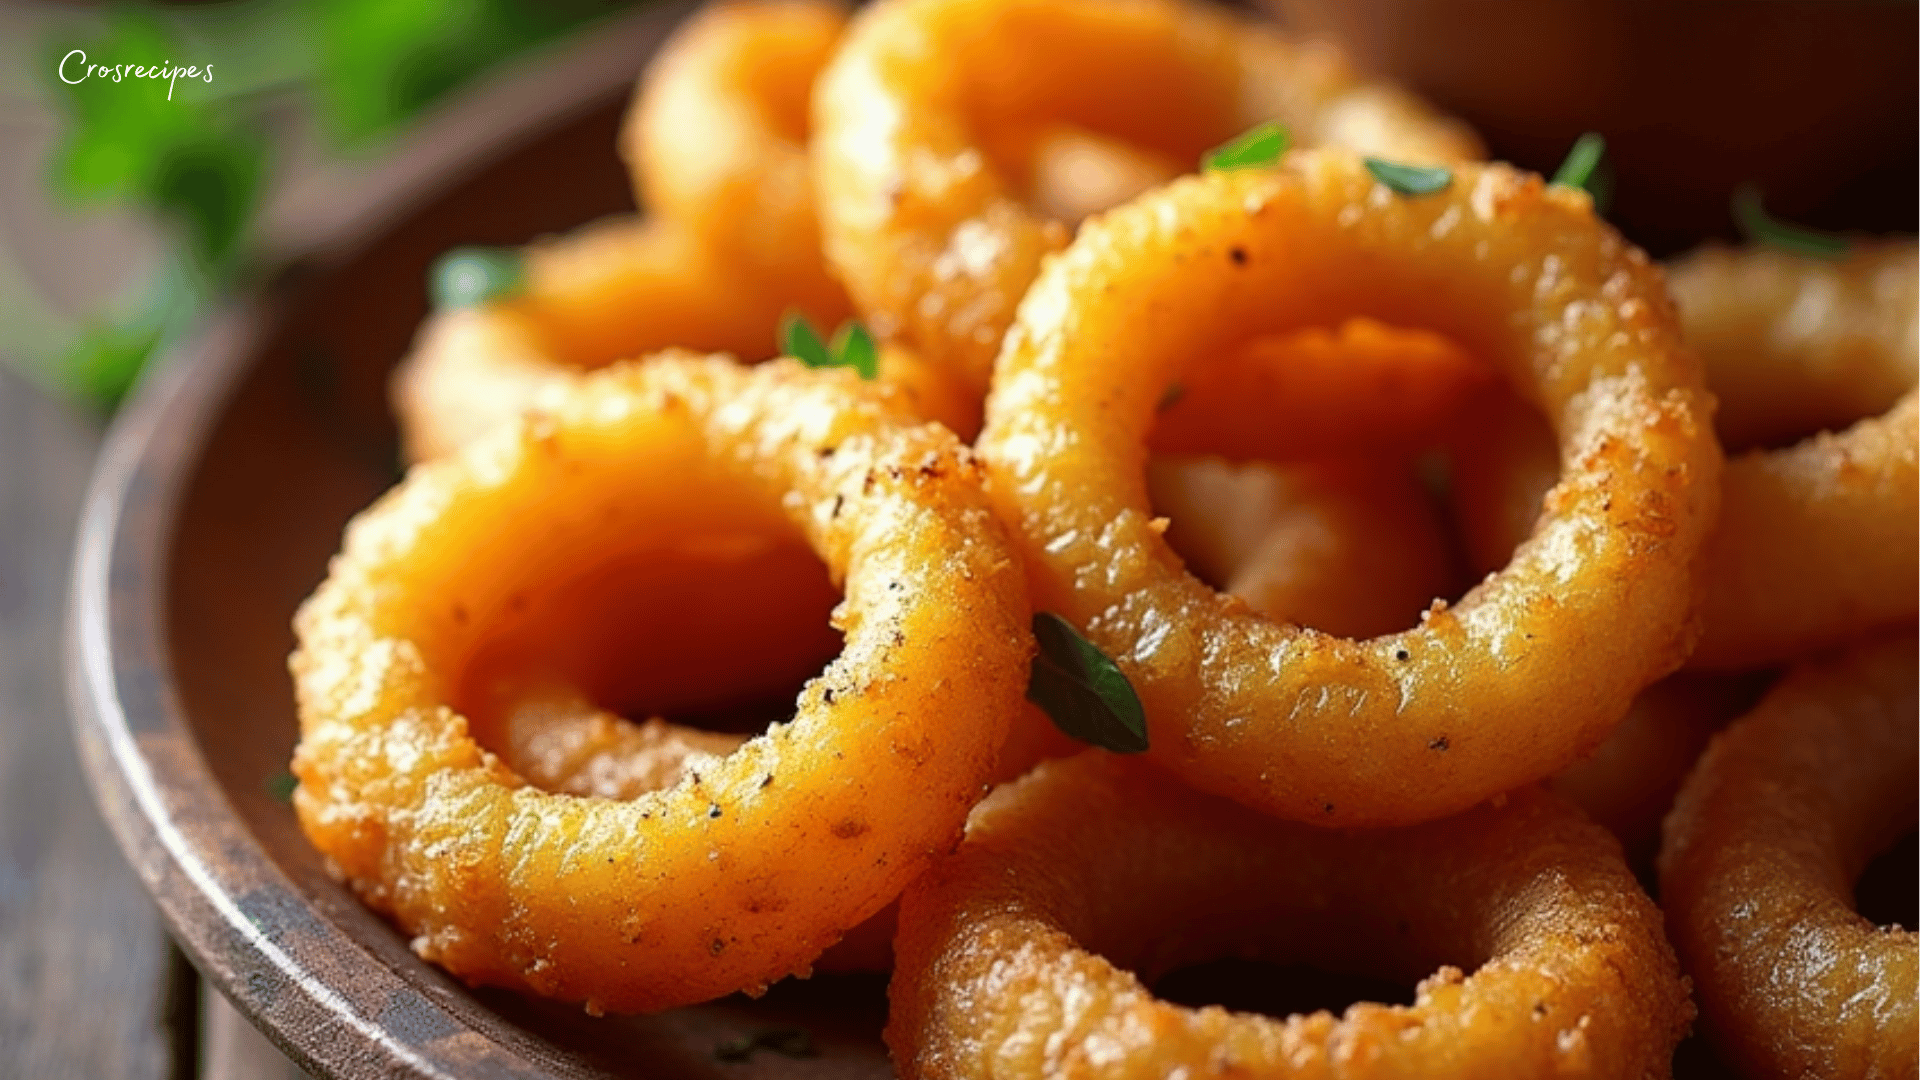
[[91, 988]]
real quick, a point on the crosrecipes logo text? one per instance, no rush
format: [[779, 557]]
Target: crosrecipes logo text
[[75, 69]]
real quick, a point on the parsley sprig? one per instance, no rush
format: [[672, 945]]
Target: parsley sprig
[[852, 347], [1082, 690], [1255, 148]]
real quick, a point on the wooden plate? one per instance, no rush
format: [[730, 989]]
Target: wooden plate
[[218, 499]]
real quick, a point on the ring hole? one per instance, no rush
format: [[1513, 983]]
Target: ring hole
[[1888, 890], [1300, 472], [1276, 990], [714, 637]]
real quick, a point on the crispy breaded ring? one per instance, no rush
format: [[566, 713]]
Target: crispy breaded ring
[[1794, 345], [740, 874], [1819, 542], [1537, 663], [921, 119], [615, 289], [1757, 872], [1351, 547], [716, 141], [611, 291], [1016, 957]]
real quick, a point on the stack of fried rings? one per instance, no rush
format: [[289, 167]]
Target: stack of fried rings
[[716, 143], [1815, 541], [1758, 868], [921, 118], [708, 274], [1549, 652], [1014, 956], [589, 899], [432, 639]]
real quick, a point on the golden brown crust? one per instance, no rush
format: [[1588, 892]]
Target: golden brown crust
[[781, 846], [1014, 955], [1818, 542], [1760, 857], [1536, 663]]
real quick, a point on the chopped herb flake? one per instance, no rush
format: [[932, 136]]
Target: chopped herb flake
[[1761, 227], [1083, 691], [1577, 170], [468, 276], [1410, 179], [852, 346], [281, 784], [1258, 147]]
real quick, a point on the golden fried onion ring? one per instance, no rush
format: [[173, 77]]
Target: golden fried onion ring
[[1536, 663], [1794, 344], [1818, 542], [921, 119], [739, 874], [716, 141], [716, 144], [1762, 851], [1015, 956], [615, 289]]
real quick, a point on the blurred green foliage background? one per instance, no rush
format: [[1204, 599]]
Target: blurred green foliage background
[[200, 160]]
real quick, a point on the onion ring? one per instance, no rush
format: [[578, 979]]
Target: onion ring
[[612, 290], [1762, 850], [1537, 663], [738, 875], [1819, 542], [1795, 345], [1349, 547], [716, 142], [734, 243], [609, 292], [1013, 954], [918, 114]]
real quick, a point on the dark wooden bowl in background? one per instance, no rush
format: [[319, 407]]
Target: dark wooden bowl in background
[[218, 498], [1812, 100]]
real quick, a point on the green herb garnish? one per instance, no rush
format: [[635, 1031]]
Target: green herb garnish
[[1577, 170], [1761, 227], [1410, 179], [468, 276], [1173, 395], [1083, 690], [791, 1042], [1253, 149], [281, 784], [852, 346]]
